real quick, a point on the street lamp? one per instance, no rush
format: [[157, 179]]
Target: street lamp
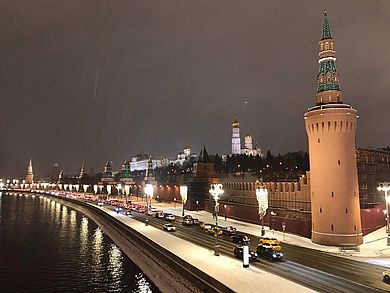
[[149, 190], [108, 191], [385, 186], [119, 188], [216, 191], [174, 200], [183, 194], [225, 210], [262, 199], [197, 206]]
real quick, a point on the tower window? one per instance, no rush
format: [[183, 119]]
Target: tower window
[[331, 227], [326, 46], [355, 227], [332, 194], [346, 211], [338, 162], [318, 140], [320, 210], [331, 45], [322, 46]]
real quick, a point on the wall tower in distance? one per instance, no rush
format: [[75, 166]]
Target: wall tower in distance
[[331, 127], [30, 173]]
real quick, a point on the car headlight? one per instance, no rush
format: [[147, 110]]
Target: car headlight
[[281, 254], [273, 255]]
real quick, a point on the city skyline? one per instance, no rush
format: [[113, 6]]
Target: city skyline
[[156, 76]]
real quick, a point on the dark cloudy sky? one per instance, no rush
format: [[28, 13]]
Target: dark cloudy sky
[[171, 72]]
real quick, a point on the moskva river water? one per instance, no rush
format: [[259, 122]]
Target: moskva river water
[[48, 247]]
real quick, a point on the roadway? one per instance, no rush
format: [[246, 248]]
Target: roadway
[[314, 269]]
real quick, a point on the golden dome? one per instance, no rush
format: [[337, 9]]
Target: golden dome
[[236, 123]]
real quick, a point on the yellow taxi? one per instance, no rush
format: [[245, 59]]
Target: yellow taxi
[[211, 231], [269, 240], [386, 276], [272, 246]]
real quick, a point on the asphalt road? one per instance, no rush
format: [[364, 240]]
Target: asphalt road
[[314, 269]]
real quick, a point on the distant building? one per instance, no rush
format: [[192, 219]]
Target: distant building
[[30, 173], [248, 142], [125, 177], [107, 173], [140, 162], [82, 173], [236, 140], [185, 155]]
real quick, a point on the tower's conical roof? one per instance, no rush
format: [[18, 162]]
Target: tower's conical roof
[[325, 28], [203, 156], [30, 167], [328, 79]]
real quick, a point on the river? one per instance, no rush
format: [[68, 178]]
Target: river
[[48, 247]]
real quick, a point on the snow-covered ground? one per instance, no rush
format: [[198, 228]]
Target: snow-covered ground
[[227, 270]]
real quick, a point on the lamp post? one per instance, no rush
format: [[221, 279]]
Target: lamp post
[[197, 206], [149, 190], [225, 210], [108, 187], [119, 188], [216, 191], [262, 199], [183, 194], [385, 186], [174, 200]]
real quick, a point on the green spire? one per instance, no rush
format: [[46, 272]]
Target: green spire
[[325, 28]]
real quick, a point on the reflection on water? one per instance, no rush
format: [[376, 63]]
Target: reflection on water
[[48, 247]]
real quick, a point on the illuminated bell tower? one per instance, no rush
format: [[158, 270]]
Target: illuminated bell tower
[[236, 142], [331, 127], [30, 174]]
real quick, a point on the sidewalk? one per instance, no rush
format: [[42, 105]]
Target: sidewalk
[[373, 250]]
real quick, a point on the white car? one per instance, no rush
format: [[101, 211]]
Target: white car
[[169, 228], [169, 217]]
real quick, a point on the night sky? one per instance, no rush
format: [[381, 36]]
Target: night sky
[[93, 80]]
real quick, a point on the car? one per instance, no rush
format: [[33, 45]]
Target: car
[[187, 221], [149, 212], [205, 226], [100, 204], [169, 217], [273, 246], [239, 250], [240, 239], [268, 240], [128, 212], [196, 221], [212, 231], [269, 253], [229, 230], [169, 228], [159, 215], [386, 276]]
